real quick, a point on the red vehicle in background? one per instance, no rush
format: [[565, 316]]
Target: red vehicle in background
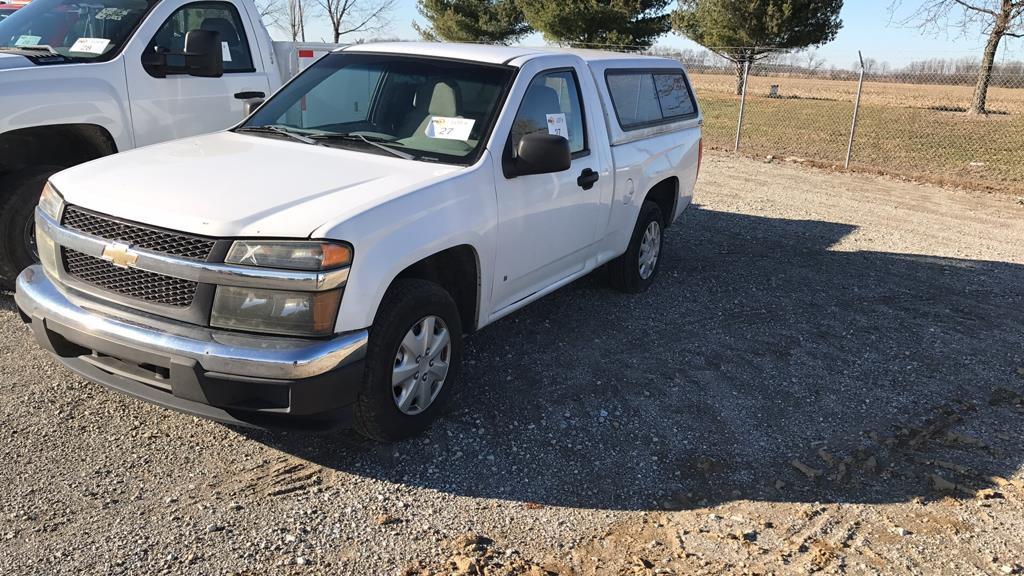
[[8, 8]]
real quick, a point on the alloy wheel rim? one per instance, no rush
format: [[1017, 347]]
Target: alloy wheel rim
[[650, 248], [421, 365]]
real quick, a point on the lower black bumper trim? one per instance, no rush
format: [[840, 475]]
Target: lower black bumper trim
[[339, 417]]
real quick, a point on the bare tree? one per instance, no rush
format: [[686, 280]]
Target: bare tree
[[998, 18], [348, 16], [272, 13], [812, 61], [296, 15]]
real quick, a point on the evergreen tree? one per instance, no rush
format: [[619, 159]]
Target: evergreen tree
[[746, 30], [596, 23], [493, 21]]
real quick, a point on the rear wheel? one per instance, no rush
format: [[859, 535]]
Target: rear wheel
[[412, 362], [634, 271], [19, 194]]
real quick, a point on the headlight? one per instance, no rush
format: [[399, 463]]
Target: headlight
[[290, 255], [275, 311], [50, 202]]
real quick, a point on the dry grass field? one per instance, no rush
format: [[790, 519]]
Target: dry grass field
[[904, 129], [1001, 100]]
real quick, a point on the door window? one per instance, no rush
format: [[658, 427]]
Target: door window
[[221, 17], [552, 104]]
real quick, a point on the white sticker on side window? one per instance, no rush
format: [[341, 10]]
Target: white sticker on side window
[[557, 125], [449, 128], [225, 51], [90, 45], [26, 40]]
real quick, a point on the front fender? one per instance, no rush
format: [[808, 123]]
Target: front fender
[[390, 237], [67, 94]]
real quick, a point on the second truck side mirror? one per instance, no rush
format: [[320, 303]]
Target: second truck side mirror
[[203, 55]]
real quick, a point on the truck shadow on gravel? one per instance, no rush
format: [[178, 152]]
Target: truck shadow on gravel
[[761, 365]]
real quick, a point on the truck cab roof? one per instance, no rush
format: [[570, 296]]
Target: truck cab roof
[[493, 54]]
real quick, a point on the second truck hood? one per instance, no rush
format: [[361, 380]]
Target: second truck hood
[[229, 184], [10, 61]]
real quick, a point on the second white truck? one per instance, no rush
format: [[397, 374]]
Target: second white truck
[[322, 260], [82, 79]]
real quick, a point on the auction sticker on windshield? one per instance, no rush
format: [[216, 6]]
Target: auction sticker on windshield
[[449, 128], [90, 45], [26, 40]]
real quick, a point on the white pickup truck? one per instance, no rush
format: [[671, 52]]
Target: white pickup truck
[[322, 260], [81, 79]]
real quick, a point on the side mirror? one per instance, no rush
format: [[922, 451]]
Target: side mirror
[[250, 106], [540, 153], [203, 55]]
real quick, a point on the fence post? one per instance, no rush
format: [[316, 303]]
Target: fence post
[[856, 112], [743, 104]]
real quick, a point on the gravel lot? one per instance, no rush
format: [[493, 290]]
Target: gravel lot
[[827, 376]]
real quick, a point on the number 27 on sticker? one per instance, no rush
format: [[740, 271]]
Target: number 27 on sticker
[[557, 125]]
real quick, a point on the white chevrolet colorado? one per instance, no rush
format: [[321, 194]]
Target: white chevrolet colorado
[[322, 260], [81, 79]]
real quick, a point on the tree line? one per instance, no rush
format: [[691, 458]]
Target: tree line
[[807, 64]]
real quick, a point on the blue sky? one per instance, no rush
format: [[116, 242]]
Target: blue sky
[[867, 26]]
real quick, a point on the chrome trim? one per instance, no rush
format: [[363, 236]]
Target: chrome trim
[[215, 350], [202, 272]]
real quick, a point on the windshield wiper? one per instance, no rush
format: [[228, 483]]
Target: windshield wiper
[[35, 51], [272, 129], [33, 48], [360, 137]]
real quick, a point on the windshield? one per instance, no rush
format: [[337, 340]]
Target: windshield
[[413, 107], [84, 31]]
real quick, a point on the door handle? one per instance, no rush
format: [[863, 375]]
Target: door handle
[[587, 179], [250, 95]]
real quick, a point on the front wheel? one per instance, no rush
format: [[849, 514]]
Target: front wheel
[[634, 271], [412, 361], [19, 194]]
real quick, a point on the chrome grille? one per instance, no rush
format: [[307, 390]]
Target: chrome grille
[[130, 282], [138, 236]]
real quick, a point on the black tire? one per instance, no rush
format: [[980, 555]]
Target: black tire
[[624, 271], [376, 412], [19, 194]]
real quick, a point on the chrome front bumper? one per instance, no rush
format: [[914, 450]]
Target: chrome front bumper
[[187, 367]]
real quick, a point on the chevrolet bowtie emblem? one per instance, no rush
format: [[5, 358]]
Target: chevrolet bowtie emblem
[[120, 255]]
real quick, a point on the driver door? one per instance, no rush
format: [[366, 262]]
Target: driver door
[[179, 105], [549, 223]]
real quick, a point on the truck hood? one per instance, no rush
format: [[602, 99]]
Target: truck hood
[[11, 61], [228, 184]]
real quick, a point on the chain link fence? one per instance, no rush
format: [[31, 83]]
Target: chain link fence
[[911, 122]]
